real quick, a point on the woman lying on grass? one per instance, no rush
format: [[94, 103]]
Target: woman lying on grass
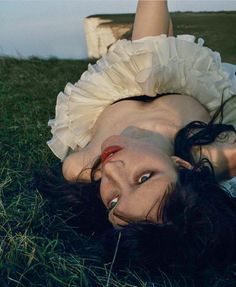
[[152, 127]]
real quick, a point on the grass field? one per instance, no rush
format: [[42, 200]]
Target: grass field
[[217, 29], [36, 247]]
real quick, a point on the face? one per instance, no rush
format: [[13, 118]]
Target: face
[[135, 175]]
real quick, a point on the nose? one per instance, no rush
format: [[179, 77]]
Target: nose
[[116, 172], [114, 181]]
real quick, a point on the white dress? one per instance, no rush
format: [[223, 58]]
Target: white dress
[[149, 66]]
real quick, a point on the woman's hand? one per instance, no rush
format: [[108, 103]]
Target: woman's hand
[[152, 19]]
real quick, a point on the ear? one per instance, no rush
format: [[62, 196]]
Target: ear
[[179, 162]]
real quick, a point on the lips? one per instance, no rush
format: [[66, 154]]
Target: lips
[[109, 151]]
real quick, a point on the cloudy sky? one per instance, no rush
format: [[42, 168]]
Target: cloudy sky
[[47, 28]]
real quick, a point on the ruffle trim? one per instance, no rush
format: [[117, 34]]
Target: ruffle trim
[[149, 66]]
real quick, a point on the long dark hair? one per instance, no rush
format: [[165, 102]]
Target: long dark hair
[[198, 226]]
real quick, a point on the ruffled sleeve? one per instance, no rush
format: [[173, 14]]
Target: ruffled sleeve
[[149, 66]]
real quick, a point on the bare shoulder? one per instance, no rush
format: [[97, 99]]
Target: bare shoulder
[[222, 154], [77, 166]]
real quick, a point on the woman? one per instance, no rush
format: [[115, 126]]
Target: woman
[[159, 159]]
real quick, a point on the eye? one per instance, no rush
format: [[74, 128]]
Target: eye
[[144, 177], [113, 203]]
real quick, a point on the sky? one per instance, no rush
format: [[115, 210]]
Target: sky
[[54, 28]]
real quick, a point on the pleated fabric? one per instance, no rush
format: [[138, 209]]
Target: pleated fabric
[[149, 66]]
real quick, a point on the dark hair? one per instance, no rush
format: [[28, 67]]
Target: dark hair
[[80, 202], [198, 226]]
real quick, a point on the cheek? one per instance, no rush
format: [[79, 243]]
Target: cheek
[[104, 190], [107, 191]]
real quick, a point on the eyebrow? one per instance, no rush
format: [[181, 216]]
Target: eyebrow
[[125, 219]]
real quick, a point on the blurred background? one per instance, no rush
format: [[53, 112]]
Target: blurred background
[[54, 28]]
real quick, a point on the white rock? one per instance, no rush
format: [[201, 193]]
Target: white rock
[[101, 33]]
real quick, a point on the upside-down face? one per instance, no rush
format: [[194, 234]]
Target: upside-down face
[[135, 176]]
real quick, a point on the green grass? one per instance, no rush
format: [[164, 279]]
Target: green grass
[[36, 247], [217, 29]]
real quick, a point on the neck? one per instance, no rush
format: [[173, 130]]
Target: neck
[[165, 144]]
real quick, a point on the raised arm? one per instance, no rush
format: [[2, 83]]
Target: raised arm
[[152, 18]]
